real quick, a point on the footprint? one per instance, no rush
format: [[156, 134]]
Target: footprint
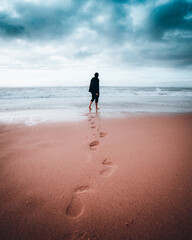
[[109, 168], [107, 172], [92, 123], [93, 145], [82, 189], [103, 134], [89, 120], [75, 208], [107, 162], [93, 126], [92, 117]]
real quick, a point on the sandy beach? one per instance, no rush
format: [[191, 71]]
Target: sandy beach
[[126, 178]]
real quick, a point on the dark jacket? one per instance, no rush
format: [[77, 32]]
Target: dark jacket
[[94, 85]]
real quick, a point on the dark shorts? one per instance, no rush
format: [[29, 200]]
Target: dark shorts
[[94, 97]]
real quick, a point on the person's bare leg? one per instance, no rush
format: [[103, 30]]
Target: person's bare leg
[[90, 105], [96, 104]]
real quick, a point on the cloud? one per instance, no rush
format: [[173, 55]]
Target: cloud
[[169, 17], [9, 28], [169, 29], [54, 20], [131, 33], [39, 20]]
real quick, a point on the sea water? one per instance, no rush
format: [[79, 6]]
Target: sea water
[[44, 104]]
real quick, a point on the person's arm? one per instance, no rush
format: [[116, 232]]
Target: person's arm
[[91, 86]]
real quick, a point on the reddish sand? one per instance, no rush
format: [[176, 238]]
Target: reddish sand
[[123, 179]]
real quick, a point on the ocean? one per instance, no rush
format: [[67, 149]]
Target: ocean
[[32, 105]]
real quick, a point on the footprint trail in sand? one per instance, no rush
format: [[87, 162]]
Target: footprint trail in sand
[[76, 206], [108, 166]]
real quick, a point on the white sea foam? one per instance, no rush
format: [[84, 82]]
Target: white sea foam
[[35, 105]]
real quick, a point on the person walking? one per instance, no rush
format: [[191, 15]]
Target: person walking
[[94, 90]]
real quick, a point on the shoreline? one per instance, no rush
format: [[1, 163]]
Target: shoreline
[[121, 178], [82, 117]]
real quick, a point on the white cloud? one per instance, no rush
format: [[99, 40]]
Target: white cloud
[[53, 39]]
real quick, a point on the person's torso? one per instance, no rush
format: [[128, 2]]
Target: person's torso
[[95, 82]]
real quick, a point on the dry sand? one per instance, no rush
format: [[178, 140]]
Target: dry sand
[[97, 179]]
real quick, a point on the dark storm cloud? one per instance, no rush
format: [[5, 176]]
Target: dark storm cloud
[[53, 20], [164, 36], [39, 21], [171, 16], [9, 28], [170, 24]]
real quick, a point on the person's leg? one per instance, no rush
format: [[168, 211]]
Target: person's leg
[[96, 103], [92, 99], [90, 105]]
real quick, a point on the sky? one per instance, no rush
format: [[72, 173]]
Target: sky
[[63, 43]]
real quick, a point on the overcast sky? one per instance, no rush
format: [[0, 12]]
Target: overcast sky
[[128, 42]]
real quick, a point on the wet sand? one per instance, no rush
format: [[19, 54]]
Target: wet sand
[[127, 178]]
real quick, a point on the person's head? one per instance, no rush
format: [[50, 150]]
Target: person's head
[[96, 74]]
